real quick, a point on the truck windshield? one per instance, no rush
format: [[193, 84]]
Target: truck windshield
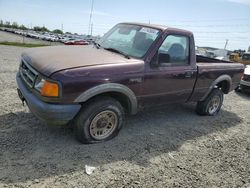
[[132, 40]]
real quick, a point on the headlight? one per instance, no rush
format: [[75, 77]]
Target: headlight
[[47, 88], [39, 84]]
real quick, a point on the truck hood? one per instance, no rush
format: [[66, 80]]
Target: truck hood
[[48, 60]]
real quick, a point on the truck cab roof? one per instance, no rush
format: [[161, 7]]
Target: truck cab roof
[[159, 27]]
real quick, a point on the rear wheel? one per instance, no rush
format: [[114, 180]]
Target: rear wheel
[[100, 120], [212, 104]]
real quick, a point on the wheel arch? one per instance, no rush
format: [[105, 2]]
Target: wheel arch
[[119, 92], [224, 82]]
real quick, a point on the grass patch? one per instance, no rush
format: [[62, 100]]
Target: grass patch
[[19, 44]]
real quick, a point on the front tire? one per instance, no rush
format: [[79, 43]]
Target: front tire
[[100, 120], [212, 104]]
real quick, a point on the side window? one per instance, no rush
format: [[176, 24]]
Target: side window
[[174, 50]]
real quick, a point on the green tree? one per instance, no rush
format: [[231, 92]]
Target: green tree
[[6, 24], [41, 29], [22, 27], [1, 23], [57, 31], [14, 25]]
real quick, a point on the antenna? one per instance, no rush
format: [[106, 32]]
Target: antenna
[[90, 17]]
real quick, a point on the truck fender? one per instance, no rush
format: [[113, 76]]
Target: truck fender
[[109, 87], [215, 82]]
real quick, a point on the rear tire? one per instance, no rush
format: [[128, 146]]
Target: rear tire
[[99, 120], [212, 104]]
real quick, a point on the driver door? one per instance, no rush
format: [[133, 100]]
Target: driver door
[[173, 79]]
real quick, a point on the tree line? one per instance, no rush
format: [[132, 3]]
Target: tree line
[[15, 25]]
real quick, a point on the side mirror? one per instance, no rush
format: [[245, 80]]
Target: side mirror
[[163, 58]]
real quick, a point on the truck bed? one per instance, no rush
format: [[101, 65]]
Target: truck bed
[[203, 59], [209, 70]]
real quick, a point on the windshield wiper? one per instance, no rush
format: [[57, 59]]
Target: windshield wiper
[[118, 51], [97, 45]]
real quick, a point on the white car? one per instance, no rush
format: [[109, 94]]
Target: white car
[[245, 81]]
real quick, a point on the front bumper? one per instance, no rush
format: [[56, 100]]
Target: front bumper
[[245, 83], [56, 114]]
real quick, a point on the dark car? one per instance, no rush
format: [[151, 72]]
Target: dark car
[[132, 67]]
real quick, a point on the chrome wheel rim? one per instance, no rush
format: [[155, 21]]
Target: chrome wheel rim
[[214, 104], [103, 125]]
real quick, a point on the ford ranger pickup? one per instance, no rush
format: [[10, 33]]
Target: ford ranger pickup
[[132, 67]]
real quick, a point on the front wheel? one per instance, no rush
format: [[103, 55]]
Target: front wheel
[[100, 120], [212, 104]]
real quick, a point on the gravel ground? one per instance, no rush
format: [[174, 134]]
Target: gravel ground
[[171, 147], [11, 37]]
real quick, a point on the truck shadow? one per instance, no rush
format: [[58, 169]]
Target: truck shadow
[[32, 150], [244, 94]]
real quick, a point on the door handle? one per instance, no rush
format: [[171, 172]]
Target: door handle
[[189, 74]]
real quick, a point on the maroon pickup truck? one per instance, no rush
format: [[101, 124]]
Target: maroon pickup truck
[[132, 67]]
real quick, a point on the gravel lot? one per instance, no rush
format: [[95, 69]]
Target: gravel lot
[[171, 147]]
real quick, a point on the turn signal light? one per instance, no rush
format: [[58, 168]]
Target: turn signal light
[[50, 89]]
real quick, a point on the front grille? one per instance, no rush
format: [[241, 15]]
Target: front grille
[[246, 77], [28, 74]]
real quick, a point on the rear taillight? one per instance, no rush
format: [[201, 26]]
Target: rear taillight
[[242, 76]]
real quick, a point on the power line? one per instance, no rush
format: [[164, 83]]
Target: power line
[[205, 26], [221, 32], [206, 20]]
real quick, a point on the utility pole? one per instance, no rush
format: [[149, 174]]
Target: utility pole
[[90, 18], [91, 32], [23, 36], [62, 27], [225, 47]]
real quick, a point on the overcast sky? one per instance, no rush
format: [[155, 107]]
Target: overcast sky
[[212, 21]]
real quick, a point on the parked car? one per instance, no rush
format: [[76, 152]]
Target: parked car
[[67, 39], [132, 67], [245, 81], [76, 42]]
